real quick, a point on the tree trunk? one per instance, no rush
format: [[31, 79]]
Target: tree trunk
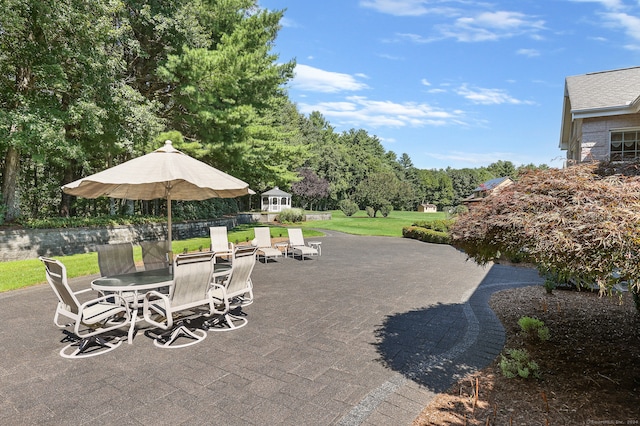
[[10, 175], [66, 202]]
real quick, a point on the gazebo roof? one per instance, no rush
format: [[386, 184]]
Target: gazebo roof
[[277, 192]]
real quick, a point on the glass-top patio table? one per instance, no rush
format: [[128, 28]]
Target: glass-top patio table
[[133, 285]]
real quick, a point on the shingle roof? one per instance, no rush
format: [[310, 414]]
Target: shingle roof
[[606, 89], [277, 192], [491, 184]]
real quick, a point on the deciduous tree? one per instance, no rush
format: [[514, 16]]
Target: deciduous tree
[[311, 188], [581, 223], [378, 190]]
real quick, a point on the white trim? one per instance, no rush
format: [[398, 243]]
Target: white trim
[[605, 112]]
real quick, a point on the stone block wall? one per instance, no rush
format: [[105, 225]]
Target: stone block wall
[[30, 243]]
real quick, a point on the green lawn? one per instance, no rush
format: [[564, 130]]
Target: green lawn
[[361, 224], [24, 273]]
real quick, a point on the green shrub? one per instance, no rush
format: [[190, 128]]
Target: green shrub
[[549, 285], [426, 235], [518, 364], [534, 327], [460, 209], [348, 207], [98, 221], [291, 216], [385, 210], [371, 212], [441, 225]]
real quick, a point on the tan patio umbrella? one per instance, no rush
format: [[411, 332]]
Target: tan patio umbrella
[[163, 173]]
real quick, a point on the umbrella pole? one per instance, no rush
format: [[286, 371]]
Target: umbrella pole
[[169, 228]]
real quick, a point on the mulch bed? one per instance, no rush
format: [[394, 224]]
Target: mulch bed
[[590, 366]]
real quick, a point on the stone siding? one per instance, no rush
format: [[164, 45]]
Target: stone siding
[[595, 134]]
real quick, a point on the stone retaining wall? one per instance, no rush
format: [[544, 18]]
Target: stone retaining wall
[[30, 243]]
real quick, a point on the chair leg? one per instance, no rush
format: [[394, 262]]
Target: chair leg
[[86, 347], [167, 339], [226, 322]]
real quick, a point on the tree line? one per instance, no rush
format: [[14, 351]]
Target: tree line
[[88, 84]]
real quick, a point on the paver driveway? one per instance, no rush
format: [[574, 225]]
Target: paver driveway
[[365, 334]]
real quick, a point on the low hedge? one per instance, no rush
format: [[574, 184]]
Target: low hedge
[[426, 235], [441, 225]]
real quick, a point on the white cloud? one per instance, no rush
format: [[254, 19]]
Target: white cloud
[[288, 23], [489, 96], [358, 111], [414, 38], [630, 24], [425, 82], [405, 7], [390, 57], [316, 80], [528, 52], [490, 26], [609, 4], [474, 158]]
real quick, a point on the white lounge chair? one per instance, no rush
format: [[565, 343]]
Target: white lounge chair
[[155, 254], [115, 259], [263, 243], [90, 320], [220, 244], [234, 293], [297, 244], [188, 298]]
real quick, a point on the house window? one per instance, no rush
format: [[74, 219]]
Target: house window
[[625, 145]]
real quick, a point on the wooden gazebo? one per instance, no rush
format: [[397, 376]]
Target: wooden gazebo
[[275, 200]]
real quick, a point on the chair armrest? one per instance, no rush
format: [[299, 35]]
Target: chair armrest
[[148, 309], [218, 295], [103, 298], [89, 303], [84, 290]]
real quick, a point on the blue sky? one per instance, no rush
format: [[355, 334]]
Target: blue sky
[[458, 83]]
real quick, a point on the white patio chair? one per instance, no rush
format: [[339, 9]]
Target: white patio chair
[[297, 244], [220, 243], [234, 293], [263, 244], [115, 259], [155, 254], [188, 298], [91, 320]]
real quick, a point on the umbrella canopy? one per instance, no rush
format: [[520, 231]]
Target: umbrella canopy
[[163, 173]]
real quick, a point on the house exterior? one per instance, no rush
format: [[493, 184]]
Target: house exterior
[[486, 189], [275, 200], [601, 116], [427, 208]]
